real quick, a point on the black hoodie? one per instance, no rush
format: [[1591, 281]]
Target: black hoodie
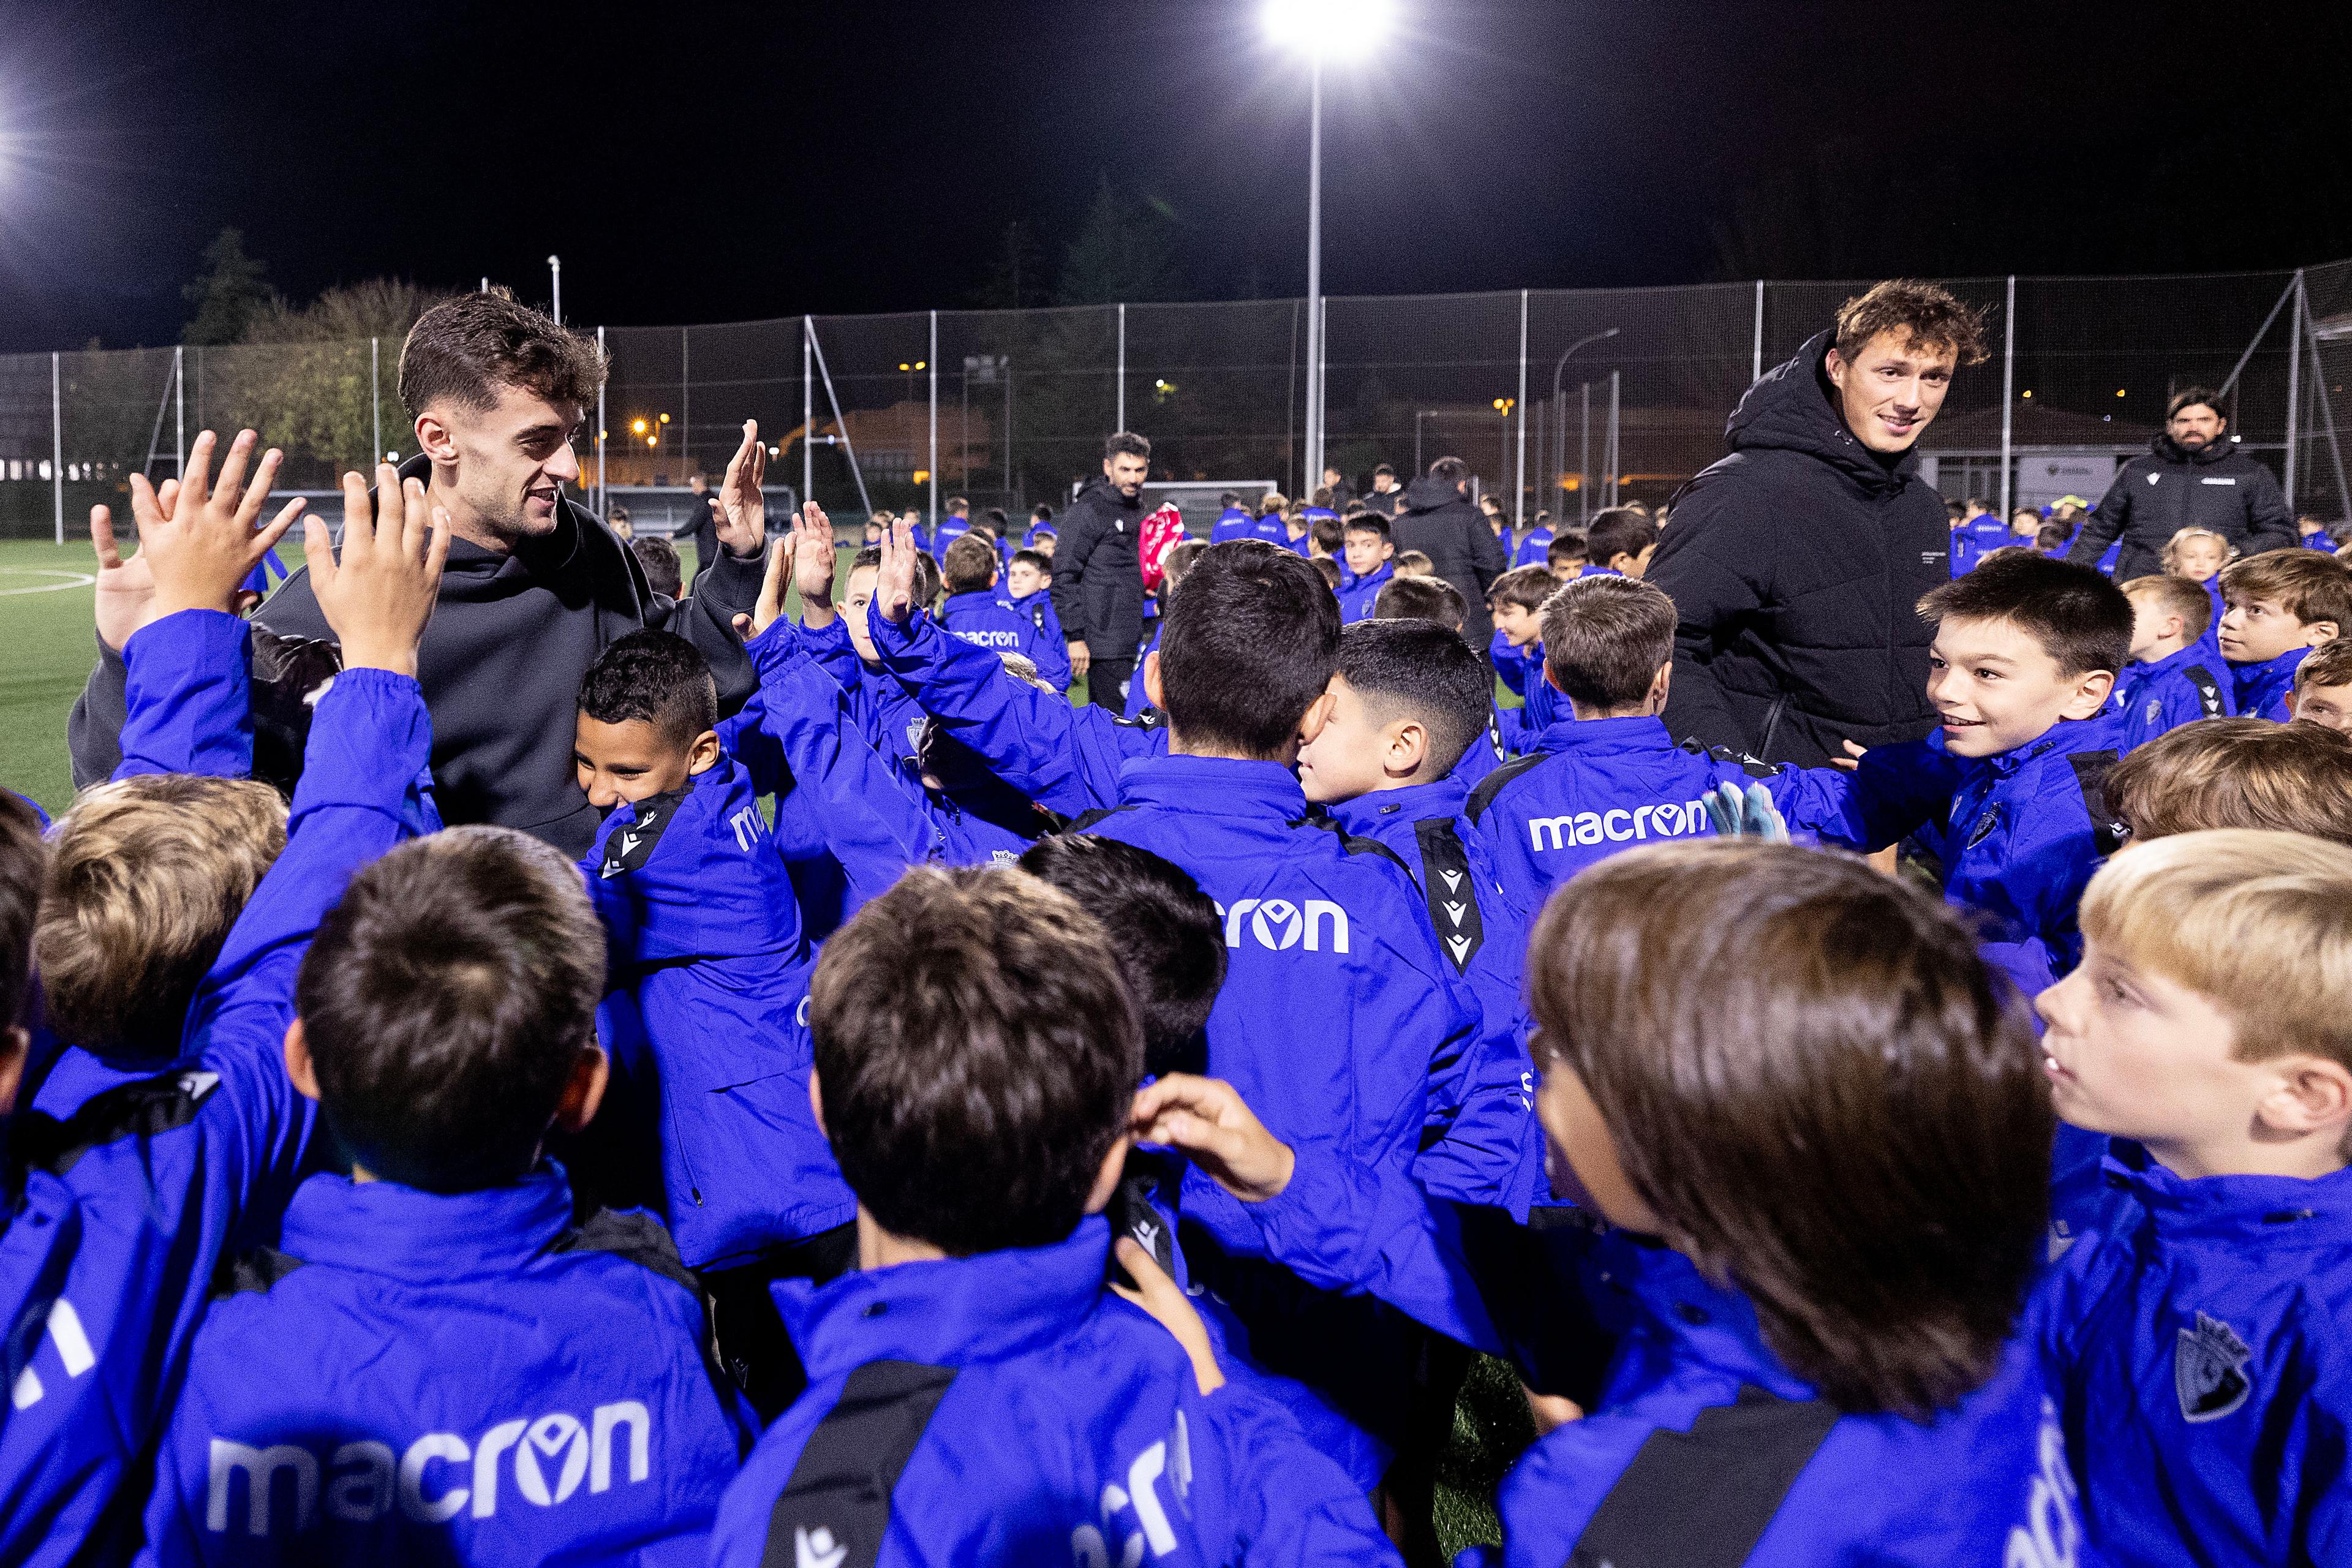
[[1441, 522], [1097, 571], [500, 665], [1795, 566], [2176, 487]]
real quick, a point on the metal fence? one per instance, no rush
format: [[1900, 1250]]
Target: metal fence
[[1563, 400]]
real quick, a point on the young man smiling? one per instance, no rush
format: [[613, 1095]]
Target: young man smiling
[[535, 588]]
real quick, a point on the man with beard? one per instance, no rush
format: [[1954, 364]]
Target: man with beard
[[535, 588], [2192, 478], [1795, 563], [1098, 574]]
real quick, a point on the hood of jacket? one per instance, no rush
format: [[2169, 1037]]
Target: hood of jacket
[[1428, 493], [1794, 409]]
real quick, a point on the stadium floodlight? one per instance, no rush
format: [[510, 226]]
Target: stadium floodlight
[[1321, 29]]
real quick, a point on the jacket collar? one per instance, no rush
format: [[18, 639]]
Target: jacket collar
[[1710, 1324], [2278, 1210], [2280, 668], [2172, 451], [950, 1312], [1604, 735], [971, 601], [1213, 786], [1412, 803], [2177, 659], [2063, 738], [404, 1233]]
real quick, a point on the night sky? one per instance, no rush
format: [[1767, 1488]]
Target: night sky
[[709, 163]]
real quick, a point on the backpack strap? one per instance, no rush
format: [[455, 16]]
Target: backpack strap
[[140, 1109], [637, 1237], [2091, 770], [1352, 843], [255, 1271], [2208, 690], [1085, 821], [1451, 890], [1703, 1499], [1491, 785], [835, 1508]]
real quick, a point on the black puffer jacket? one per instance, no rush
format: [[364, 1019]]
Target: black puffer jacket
[[1440, 521], [1098, 574], [1795, 566], [2173, 488]]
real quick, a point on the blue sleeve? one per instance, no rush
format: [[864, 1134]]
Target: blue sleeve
[[188, 689], [1052, 648], [1289, 1504], [1894, 791], [872, 823], [1027, 738]]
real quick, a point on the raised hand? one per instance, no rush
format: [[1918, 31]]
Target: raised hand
[[1208, 1121], [200, 543], [812, 562], [772, 593], [894, 585], [742, 518], [378, 596], [126, 588], [1162, 1297]]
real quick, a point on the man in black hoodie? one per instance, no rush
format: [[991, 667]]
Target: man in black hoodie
[[534, 589], [1439, 520], [2192, 478], [1099, 573], [1796, 562]]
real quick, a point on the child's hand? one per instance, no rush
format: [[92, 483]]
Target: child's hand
[[379, 595], [1207, 1119], [203, 545], [1159, 1295], [1853, 758], [894, 586], [743, 517], [126, 589], [772, 593], [812, 562]]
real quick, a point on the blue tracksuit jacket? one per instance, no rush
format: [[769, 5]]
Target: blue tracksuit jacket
[[1139, 696], [1358, 594], [134, 1192], [1972, 542], [1008, 1408], [1066, 759], [2262, 689], [1533, 548], [1232, 522], [2202, 1351], [889, 718], [2020, 834], [1518, 667], [1485, 938], [705, 935], [985, 621], [1706, 1447], [877, 821], [2166, 693], [949, 530], [1487, 751], [1051, 653], [476, 1378]]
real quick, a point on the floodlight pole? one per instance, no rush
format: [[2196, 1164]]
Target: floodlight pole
[[58, 440], [555, 285], [601, 430], [1520, 483], [934, 363], [1314, 465]]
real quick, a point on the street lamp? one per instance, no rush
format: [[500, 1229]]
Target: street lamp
[[1560, 415], [1320, 29], [555, 284]]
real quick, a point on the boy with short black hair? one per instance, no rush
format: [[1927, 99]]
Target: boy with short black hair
[[1422, 599], [2175, 676], [1332, 573], [1327, 539], [1028, 591], [1622, 540], [2323, 688], [2237, 772], [440, 1354], [2280, 604], [2198, 1343], [1415, 563], [1567, 555], [1369, 564], [663, 571], [977, 1053]]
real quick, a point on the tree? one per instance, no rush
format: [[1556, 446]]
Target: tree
[[1125, 252], [230, 294]]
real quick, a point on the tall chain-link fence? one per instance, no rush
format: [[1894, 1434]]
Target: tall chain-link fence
[[1558, 400]]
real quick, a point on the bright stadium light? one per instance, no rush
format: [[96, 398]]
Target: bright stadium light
[[1333, 29]]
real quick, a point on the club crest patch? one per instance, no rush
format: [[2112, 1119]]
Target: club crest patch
[[1983, 829], [2209, 1370]]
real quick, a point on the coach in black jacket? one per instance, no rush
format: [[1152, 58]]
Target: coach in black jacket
[[2192, 478], [1795, 563], [1439, 520], [1098, 571]]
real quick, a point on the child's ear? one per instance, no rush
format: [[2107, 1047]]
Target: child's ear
[[1114, 1165], [584, 1090], [301, 1071], [1408, 745], [2090, 690], [1152, 678], [2311, 1095], [1660, 684], [816, 1102], [1318, 714], [2316, 634], [701, 756]]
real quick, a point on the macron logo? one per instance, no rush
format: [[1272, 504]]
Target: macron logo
[[817, 1549], [1279, 925], [1666, 820]]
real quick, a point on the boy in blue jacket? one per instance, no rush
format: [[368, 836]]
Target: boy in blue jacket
[[2280, 604], [443, 1357], [1439, 602], [1028, 591], [973, 610], [979, 1391], [837, 637], [1812, 1117], [1516, 601], [1370, 561], [2176, 675], [2200, 1344], [704, 939], [2322, 689]]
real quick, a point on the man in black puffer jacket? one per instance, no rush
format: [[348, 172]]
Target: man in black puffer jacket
[[1098, 571], [1439, 520], [1796, 562], [2192, 478]]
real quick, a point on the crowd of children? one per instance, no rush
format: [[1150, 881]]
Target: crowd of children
[[936, 1122]]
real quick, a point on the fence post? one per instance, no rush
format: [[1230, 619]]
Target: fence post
[[1519, 488], [685, 403], [2007, 389], [2294, 385], [1613, 460], [934, 466], [601, 428], [1120, 423], [1584, 456], [375, 398], [58, 440], [1756, 355], [808, 418]]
